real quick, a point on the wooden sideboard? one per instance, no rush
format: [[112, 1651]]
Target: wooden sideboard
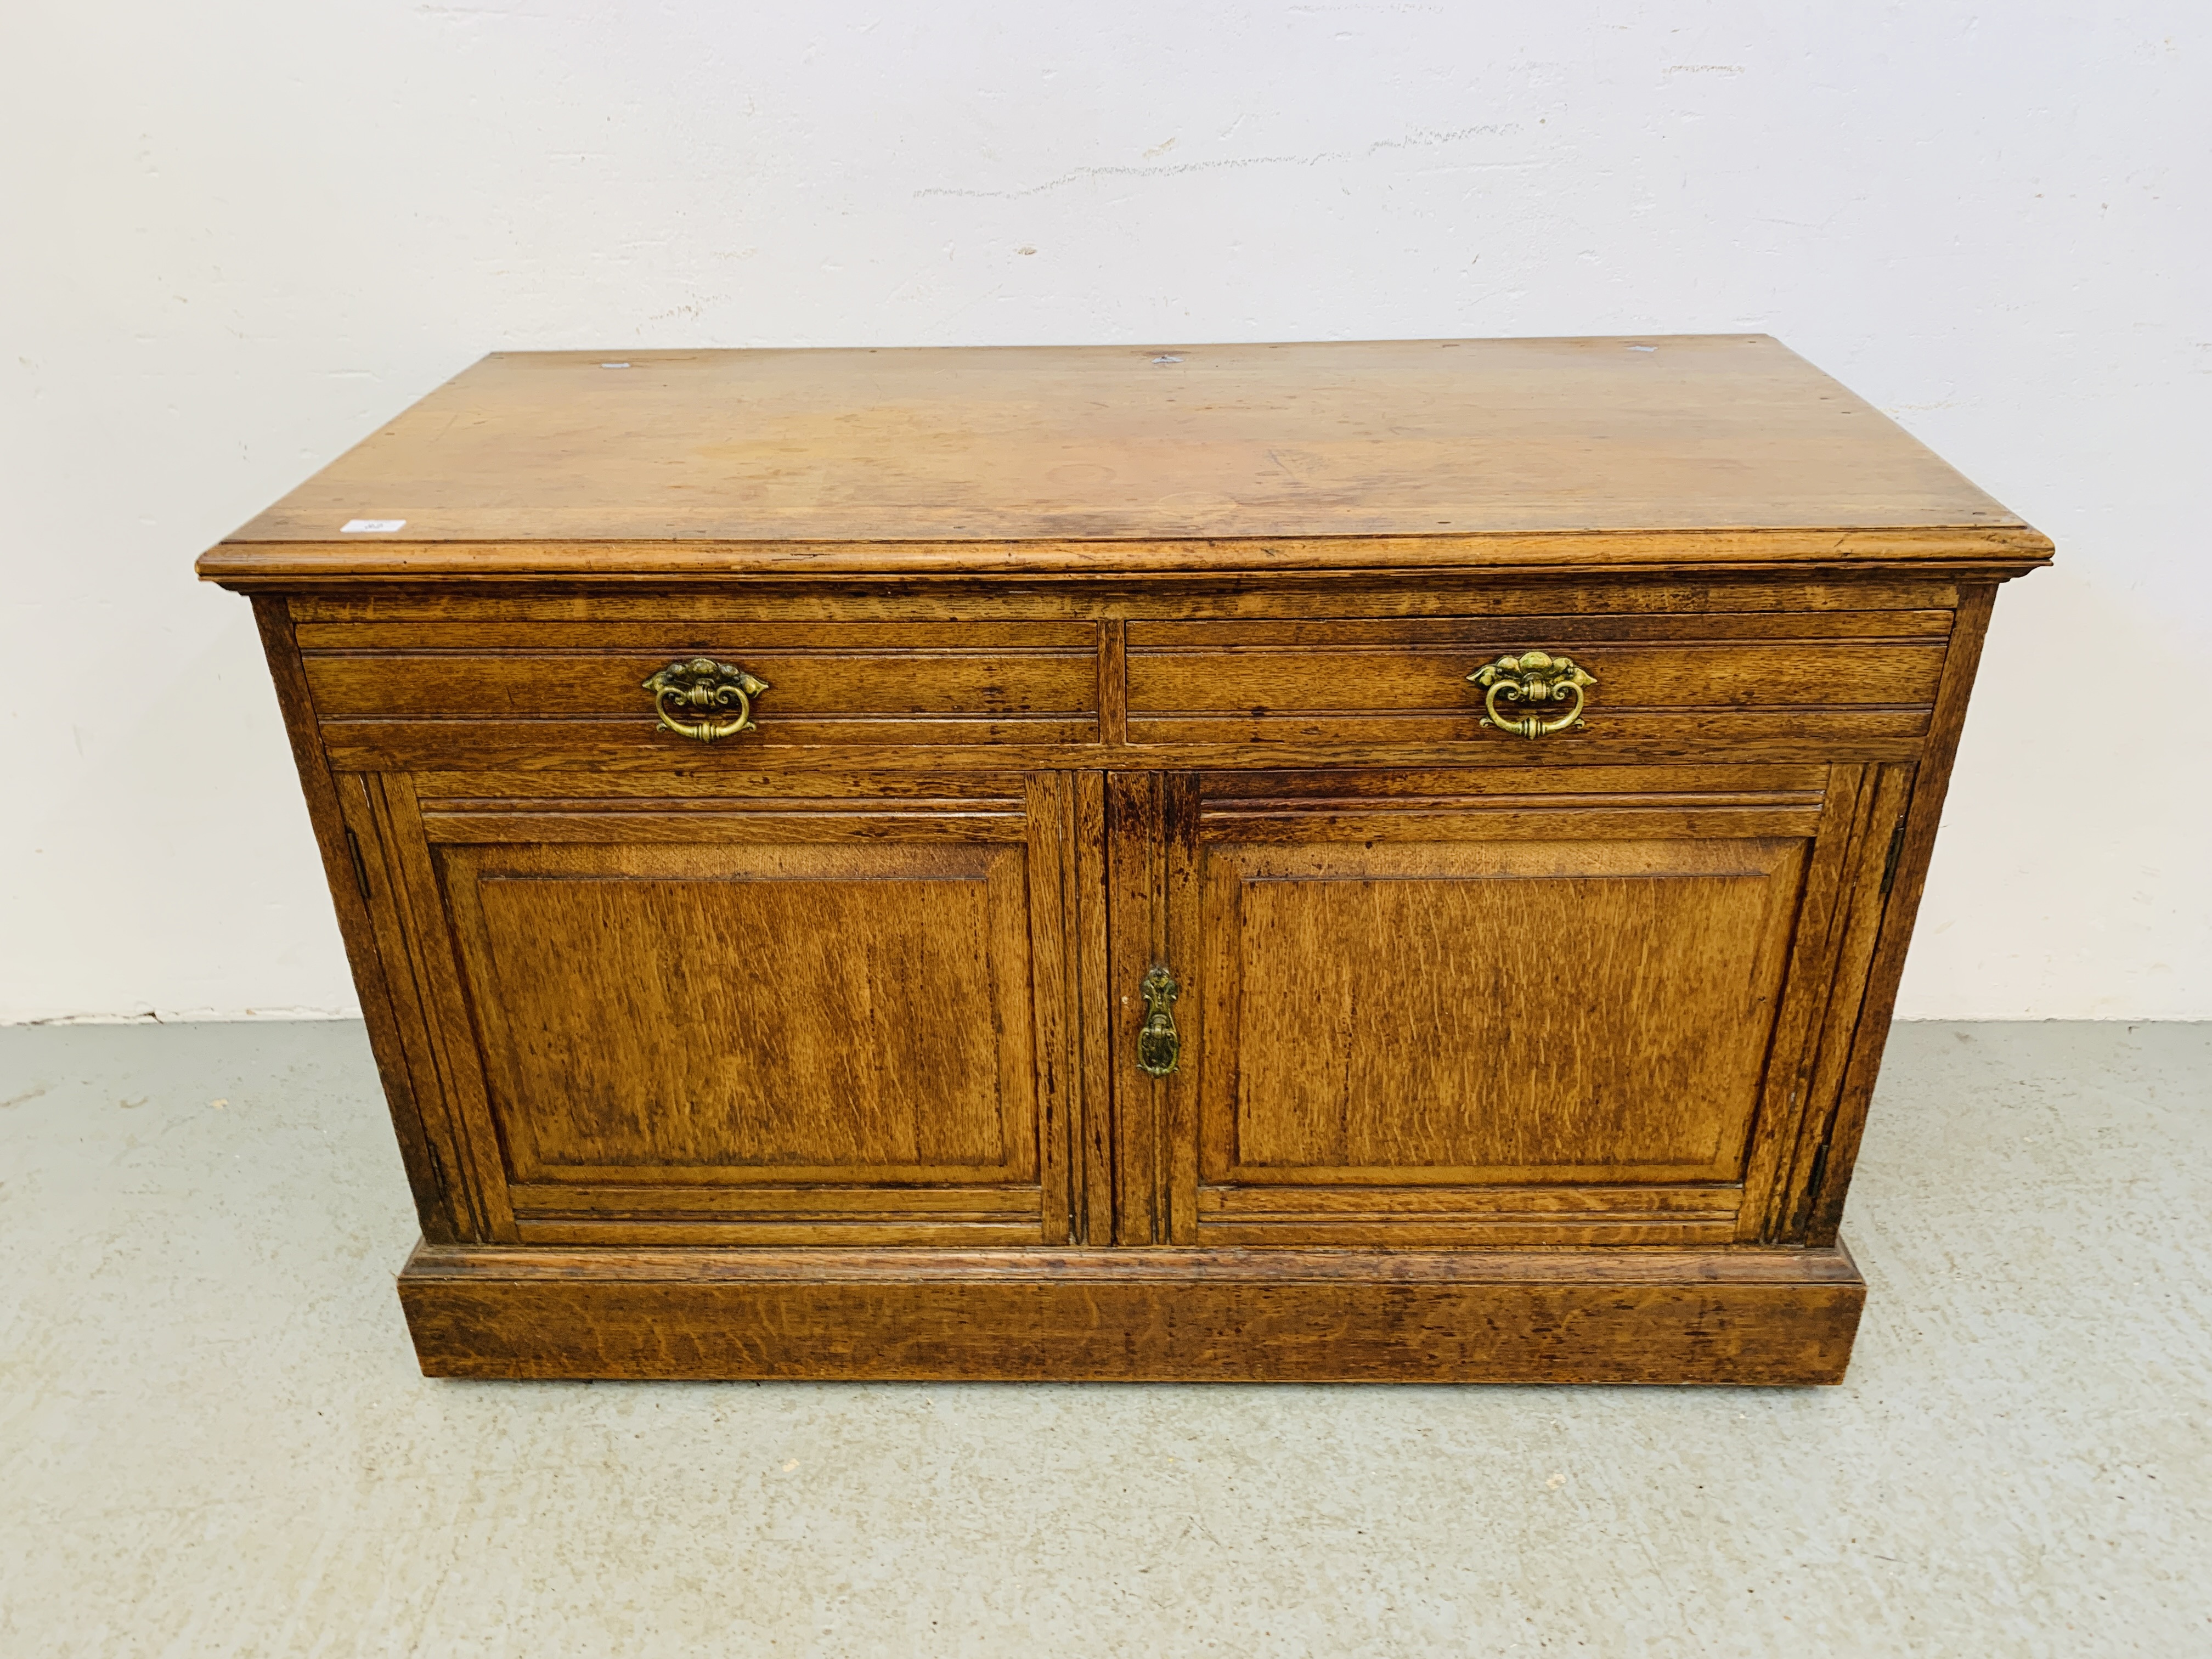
[[1380, 861]]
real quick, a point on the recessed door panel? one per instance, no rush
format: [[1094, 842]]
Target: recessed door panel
[[754, 1012], [1430, 1008], [770, 1018], [1495, 1012]]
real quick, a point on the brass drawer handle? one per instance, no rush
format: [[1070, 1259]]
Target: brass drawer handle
[[702, 686], [1158, 1045], [1531, 677]]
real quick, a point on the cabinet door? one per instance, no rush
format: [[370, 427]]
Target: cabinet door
[[1541, 1007], [765, 1017]]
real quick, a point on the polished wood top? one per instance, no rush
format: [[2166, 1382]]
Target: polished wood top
[[1677, 451]]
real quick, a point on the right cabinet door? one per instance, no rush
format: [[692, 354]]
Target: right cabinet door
[[1596, 1005]]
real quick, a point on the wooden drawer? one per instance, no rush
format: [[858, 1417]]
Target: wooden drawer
[[1670, 681], [410, 691]]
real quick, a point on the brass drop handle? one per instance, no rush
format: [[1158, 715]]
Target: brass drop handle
[[1157, 1046], [719, 695], [1533, 677]]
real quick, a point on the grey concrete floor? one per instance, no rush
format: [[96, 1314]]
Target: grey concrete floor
[[213, 1440]]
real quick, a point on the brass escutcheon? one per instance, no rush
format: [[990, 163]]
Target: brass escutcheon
[[1158, 1045], [702, 686], [1531, 677]]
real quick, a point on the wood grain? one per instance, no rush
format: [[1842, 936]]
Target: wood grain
[[801, 1013], [1535, 781], [1137, 937], [1611, 736], [1839, 1144], [1432, 441], [445, 1213], [1484, 627], [1051, 924], [539, 685], [1668, 1316], [722, 630], [419, 922], [1373, 677], [769, 992], [1456, 1014], [397, 952], [1790, 604], [1963, 554], [633, 744], [1096, 1024], [1839, 847]]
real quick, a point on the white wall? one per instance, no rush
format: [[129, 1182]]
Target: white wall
[[235, 236]]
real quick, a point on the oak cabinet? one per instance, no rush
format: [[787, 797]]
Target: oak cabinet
[[1363, 915]]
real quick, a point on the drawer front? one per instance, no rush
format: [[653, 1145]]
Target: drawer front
[[1667, 680], [416, 689]]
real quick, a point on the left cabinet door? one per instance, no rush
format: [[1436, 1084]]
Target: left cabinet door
[[759, 1011]]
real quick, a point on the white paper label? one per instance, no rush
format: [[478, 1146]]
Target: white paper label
[[356, 526]]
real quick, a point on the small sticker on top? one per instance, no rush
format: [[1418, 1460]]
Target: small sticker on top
[[366, 527]]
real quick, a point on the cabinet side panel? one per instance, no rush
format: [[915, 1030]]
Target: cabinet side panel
[[273, 619], [1892, 787], [1907, 878]]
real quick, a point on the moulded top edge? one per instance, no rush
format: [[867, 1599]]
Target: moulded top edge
[[2012, 549]]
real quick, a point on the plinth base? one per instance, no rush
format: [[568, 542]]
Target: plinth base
[[1135, 1316]]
